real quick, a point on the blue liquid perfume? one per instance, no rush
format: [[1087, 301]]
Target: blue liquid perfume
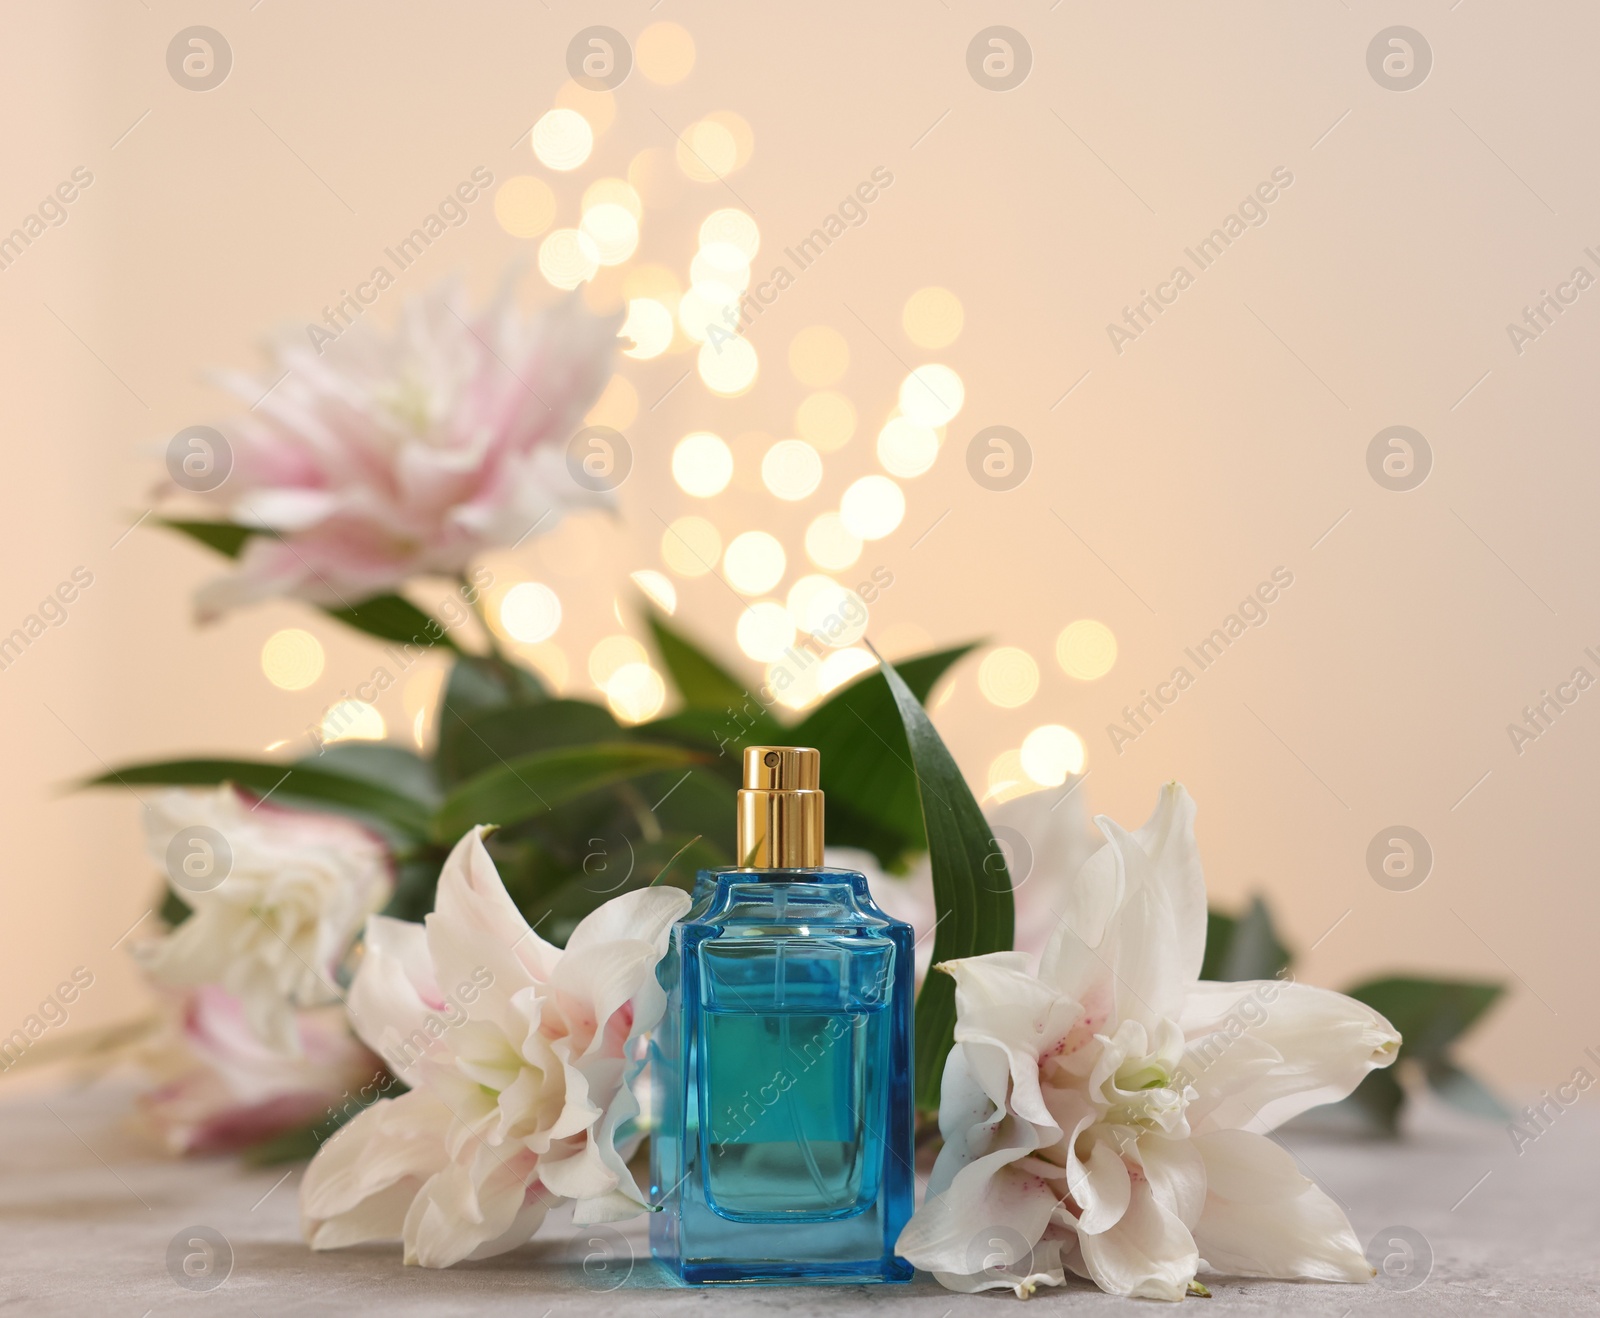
[[782, 1144]]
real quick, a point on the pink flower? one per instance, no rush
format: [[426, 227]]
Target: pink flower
[[220, 1088], [377, 458]]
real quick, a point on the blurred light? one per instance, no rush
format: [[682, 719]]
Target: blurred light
[[1050, 753], [419, 729], [613, 231], [841, 667], [728, 366], [818, 355], [420, 695], [826, 420], [292, 659], [352, 720], [599, 107], [1008, 677], [1007, 778], [659, 589], [1086, 649], [833, 614], [617, 405], [706, 305], [932, 395], [525, 206], [872, 507], [702, 464], [754, 563], [831, 544], [530, 612], [691, 546], [720, 263], [733, 227], [636, 692], [656, 282], [765, 631], [738, 128], [562, 140], [707, 151], [905, 448], [791, 469], [568, 257], [932, 317], [664, 53], [615, 192], [649, 325], [793, 682], [612, 653], [653, 177]]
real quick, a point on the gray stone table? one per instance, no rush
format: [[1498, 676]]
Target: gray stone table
[[88, 1209]]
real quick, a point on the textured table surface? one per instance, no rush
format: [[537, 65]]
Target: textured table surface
[[89, 1210]]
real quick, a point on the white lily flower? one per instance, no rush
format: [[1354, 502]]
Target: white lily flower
[[1105, 1114], [277, 895], [518, 1055]]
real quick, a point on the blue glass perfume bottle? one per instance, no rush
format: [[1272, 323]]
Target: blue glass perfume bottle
[[782, 1142]]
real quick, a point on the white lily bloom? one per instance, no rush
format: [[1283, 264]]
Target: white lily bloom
[[1105, 1113], [518, 1057], [277, 895]]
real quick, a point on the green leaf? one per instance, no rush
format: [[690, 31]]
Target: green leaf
[[1431, 1014], [381, 763], [225, 537], [1464, 1091], [873, 801], [1379, 1098], [393, 618], [1244, 948], [477, 684], [701, 681], [480, 740], [281, 782], [971, 887], [531, 785]]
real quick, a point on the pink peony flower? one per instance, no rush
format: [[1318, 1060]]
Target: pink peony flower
[[382, 458], [221, 1089]]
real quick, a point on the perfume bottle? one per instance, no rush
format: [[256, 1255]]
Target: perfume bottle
[[782, 1143]]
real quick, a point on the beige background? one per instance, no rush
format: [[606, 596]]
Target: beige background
[[1224, 443]]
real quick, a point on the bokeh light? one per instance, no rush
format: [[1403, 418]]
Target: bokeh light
[[905, 448], [728, 366], [292, 659], [1086, 649], [1007, 778], [932, 395], [722, 264], [872, 507], [932, 317], [654, 176], [819, 356], [791, 469], [664, 53], [707, 151], [615, 192], [702, 464], [734, 227], [831, 544], [562, 140], [691, 546], [793, 681], [843, 666], [635, 692], [826, 420], [649, 325], [530, 612], [765, 631], [352, 720], [707, 305], [658, 589], [568, 257], [754, 563], [525, 206], [549, 660], [833, 614], [611, 653], [1008, 677], [613, 231], [1050, 753]]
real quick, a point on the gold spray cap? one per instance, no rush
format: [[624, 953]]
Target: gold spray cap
[[780, 808]]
